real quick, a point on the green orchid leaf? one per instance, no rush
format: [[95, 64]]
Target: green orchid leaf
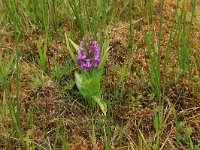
[[76, 47], [105, 49], [104, 58], [92, 87], [97, 74], [102, 104], [69, 49], [105, 46], [79, 84]]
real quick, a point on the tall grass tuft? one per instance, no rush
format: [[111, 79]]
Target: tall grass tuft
[[77, 13], [154, 55], [14, 114], [91, 19], [12, 9], [13, 14]]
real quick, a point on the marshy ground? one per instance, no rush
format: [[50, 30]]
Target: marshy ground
[[53, 114]]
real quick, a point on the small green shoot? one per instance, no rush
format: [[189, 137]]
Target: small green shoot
[[42, 62]]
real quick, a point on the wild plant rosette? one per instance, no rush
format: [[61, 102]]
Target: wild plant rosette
[[91, 59]]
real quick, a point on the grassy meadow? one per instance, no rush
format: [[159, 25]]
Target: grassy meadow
[[149, 88]]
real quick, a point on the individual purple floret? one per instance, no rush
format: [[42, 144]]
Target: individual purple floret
[[89, 54]]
